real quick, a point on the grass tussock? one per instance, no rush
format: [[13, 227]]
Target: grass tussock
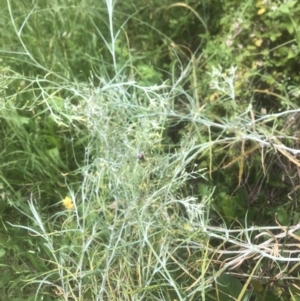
[[117, 182]]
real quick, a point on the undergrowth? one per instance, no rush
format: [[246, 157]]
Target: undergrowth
[[123, 184]]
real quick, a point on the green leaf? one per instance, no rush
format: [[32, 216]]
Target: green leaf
[[282, 216], [258, 287], [229, 288], [2, 252], [286, 7]]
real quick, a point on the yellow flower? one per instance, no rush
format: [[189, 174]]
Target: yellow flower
[[188, 227], [261, 11], [258, 42], [68, 203], [214, 96]]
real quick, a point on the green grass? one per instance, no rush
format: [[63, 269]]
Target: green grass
[[119, 181]]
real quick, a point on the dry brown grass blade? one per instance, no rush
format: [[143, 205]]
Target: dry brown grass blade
[[248, 280], [242, 156], [285, 153]]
